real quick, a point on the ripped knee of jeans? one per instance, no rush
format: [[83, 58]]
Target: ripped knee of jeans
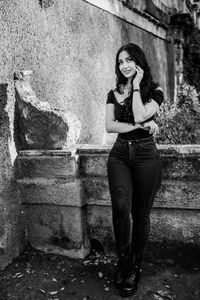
[[121, 197]]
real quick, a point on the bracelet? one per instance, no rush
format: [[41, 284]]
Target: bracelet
[[136, 90]]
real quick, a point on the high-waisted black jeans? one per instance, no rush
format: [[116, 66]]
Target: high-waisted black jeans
[[134, 176]]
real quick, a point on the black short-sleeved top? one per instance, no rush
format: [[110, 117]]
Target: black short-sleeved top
[[123, 113]]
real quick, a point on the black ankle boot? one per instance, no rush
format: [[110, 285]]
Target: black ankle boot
[[121, 270], [118, 278], [129, 286]]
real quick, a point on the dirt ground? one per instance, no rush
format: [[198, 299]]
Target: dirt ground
[[35, 275]]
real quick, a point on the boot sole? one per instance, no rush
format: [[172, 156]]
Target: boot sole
[[128, 293]]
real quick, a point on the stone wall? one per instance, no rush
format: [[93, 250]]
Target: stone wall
[[12, 234], [66, 198]]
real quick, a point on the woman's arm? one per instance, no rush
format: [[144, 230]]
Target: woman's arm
[[152, 126], [117, 127], [142, 112]]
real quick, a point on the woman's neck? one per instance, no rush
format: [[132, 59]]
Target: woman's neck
[[129, 84]]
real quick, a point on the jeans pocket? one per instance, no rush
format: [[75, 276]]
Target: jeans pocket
[[149, 147]]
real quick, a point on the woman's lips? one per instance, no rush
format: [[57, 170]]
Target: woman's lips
[[126, 72]]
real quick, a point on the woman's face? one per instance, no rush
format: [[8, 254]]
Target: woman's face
[[126, 64]]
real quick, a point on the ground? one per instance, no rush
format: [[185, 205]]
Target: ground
[[35, 275]]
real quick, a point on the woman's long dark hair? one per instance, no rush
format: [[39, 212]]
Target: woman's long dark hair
[[147, 85]]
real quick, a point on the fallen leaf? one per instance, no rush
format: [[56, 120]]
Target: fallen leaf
[[100, 275], [53, 293], [165, 294], [162, 293], [157, 297], [86, 262], [167, 286]]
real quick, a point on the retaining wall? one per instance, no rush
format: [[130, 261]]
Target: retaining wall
[[66, 198]]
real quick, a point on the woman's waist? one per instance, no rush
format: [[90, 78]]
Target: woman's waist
[[137, 134], [147, 140]]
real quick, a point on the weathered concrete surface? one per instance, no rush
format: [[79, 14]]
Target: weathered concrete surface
[[12, 237], [52, 191], [59, 164], [59, 229], [37, 124], [71, 47], [177, 225], [174, 218]]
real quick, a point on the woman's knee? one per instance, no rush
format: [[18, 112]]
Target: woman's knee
[[121, 198]]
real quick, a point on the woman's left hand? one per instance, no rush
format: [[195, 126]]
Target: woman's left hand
[[153, 127], [138, 77]]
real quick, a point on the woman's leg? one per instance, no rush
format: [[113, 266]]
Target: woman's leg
[[146, 177], [146, 181], [120, 185]]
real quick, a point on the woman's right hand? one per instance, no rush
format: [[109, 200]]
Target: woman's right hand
[[152, 127]]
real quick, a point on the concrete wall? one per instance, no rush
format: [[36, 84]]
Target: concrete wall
[[71, 47], [66, 198], [12, 234]]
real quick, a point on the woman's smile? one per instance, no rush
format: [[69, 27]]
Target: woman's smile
[[126, 64]]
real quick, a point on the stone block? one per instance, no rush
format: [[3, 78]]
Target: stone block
[[181, 167], [37, 124], [49, 165], [58, 229], [178, 194], [97, 191], [93, 165], [175, 225], [52, 191], [99, 221]]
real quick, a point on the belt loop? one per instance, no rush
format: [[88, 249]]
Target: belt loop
[[131, 150]]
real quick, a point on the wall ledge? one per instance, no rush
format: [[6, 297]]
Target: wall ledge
[[105, 149], [137, 18]]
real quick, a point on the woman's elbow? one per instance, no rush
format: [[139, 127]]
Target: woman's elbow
[[139, 119], [108, 128]]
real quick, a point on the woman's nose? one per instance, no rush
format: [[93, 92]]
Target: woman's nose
[[124, 64]]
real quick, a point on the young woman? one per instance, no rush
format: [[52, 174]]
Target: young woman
[[134, 169]]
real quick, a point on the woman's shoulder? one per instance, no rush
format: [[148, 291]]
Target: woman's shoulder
[[158, 95], [113, 91], [110, 96], [158, 89]]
